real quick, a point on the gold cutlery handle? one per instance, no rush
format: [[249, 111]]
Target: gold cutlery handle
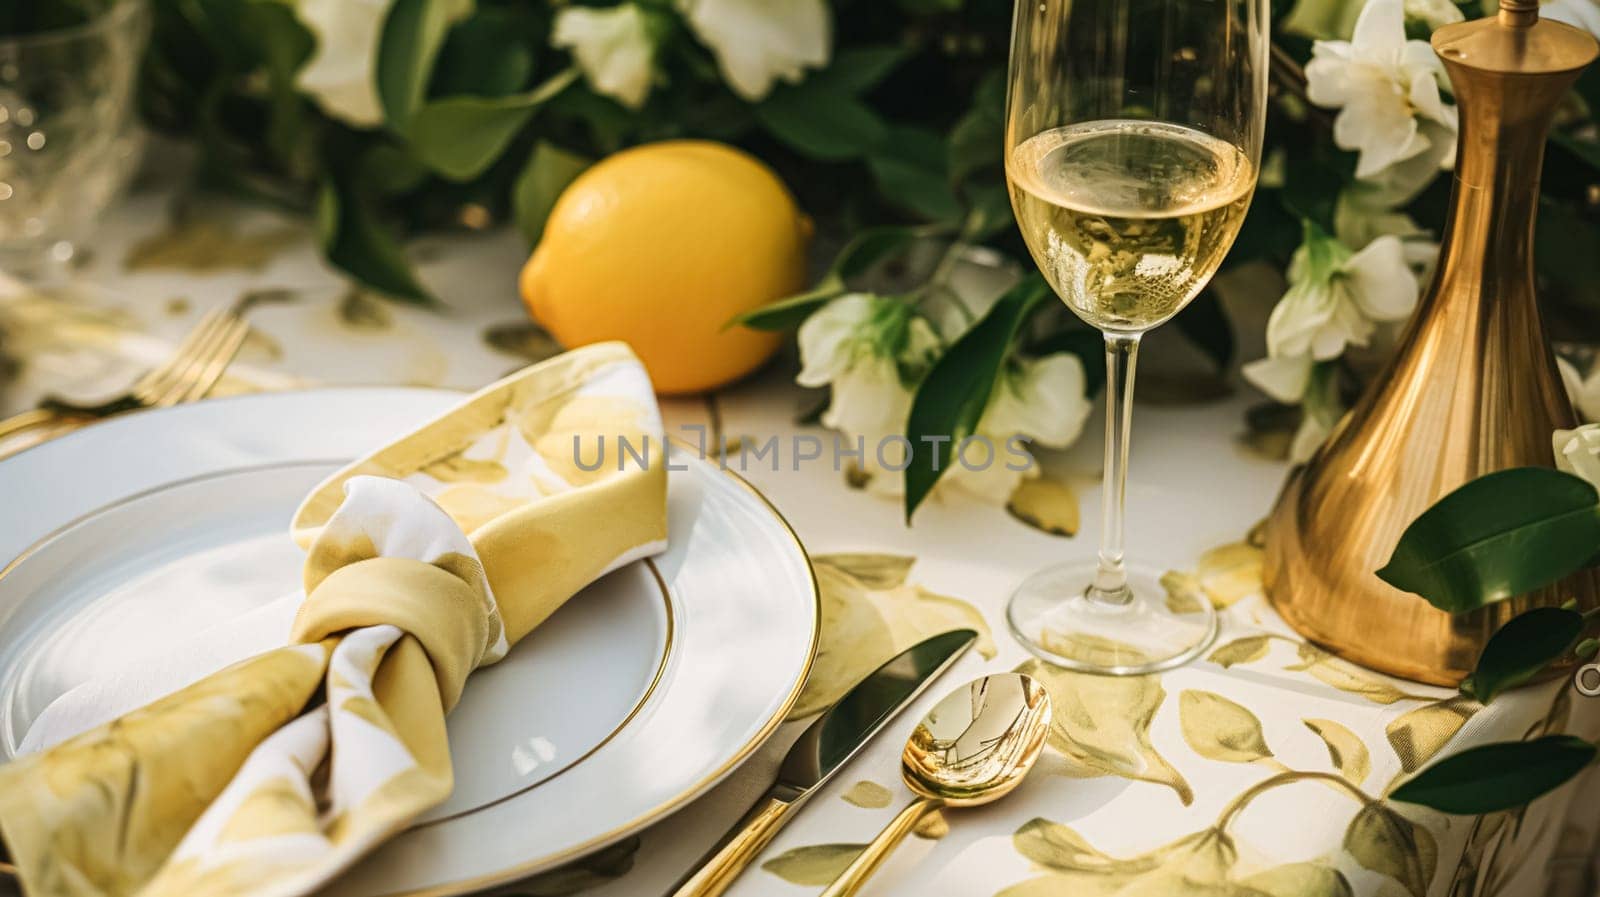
[[27, 420], [872, 856], [750, 836]]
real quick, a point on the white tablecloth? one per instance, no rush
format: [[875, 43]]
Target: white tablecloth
[[1223, 777]]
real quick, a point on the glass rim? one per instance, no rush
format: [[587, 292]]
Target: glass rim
[[117, 12]]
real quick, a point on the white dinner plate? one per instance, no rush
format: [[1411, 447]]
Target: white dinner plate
[[638, 695]]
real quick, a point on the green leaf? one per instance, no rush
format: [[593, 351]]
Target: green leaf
[[976, 140], [951, 398], [1517, 651], [873, 245], [858, 69], [283, 45], [1585, 149], [355, 242], [548, 172], [1497, 776], [911, 170], [868, 248], [1568, 266], [787, 314], [486, 55], [821, 124], [1312, 183], [1497, 537], [391, 169], [461, 136], [412, 34]]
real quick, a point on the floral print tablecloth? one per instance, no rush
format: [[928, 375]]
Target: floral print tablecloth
[[1259, 770]]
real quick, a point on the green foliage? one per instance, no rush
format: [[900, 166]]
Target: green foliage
[[549, 170], [950, 400], [412, 35], [357, 242], [1522, 648], [1497, 537], [459, 137], [860, 255], [1498, 776]]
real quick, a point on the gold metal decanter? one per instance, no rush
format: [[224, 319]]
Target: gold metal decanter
[[1473, 387]]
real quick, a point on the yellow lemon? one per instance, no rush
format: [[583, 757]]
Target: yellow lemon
[[660, 246]]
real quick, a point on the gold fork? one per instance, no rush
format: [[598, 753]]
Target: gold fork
[[188, 375]]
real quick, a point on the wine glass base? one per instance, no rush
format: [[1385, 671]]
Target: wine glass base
[[1050, 615]]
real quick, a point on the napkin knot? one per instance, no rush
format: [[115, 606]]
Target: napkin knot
[[391, 556], [438, 608]]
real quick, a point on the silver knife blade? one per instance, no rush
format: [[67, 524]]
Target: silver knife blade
[[825, 746], [843, 729]]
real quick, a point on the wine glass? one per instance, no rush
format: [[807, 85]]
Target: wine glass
[[1133, 136]]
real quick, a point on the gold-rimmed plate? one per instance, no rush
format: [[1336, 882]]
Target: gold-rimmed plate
[[637, 696]]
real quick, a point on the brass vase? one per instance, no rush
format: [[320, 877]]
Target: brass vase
[[1473, 387]]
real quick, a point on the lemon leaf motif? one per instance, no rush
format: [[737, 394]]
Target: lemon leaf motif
[[1387, 843], [1347, 677], [873, 571], [1101, 725], [1419, 734], [855, 639], [870, 614], [1183, 592], [1219, 729], [1300, 880], [1230, 572], [1046, 505], [932, 827], [867, 794], [813, 866], [1349, 755], [1196, 865], [203, 242], [1249, 649], [1056, 846]]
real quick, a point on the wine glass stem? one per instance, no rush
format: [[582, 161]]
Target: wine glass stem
[[1110, 586]]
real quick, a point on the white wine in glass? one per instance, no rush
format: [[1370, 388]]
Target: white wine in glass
[[1133, 133]]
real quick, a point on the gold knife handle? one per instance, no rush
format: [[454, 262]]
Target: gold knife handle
[[856, 874], [749, 837], [27, 420]]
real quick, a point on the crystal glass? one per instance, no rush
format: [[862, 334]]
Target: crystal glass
[[68, 134], [1133, 135]]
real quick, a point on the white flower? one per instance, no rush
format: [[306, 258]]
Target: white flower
[[1041, 398], [340, 75], [1583, 391], [614, 47], [1336, 297], [1583, 14], [1320, 410], [1284, 378], [759, 41], [1363, 214], [1385, 88], [1578, 451], [859, 344], [1037, 400]]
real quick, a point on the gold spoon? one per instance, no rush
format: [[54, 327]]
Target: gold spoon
[[972, 747]]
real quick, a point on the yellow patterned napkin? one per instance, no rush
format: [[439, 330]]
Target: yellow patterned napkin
[[425, 561]]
